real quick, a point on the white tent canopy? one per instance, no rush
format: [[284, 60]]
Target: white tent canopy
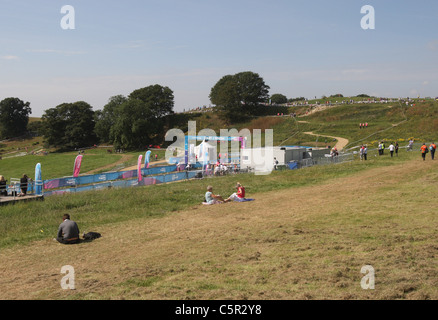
[[206, 153]]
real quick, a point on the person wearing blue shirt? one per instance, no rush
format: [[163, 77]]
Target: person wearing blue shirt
[[212, 198]]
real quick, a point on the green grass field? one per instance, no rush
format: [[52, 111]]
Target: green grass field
[[306, 236], [53, 165], [23, 222]]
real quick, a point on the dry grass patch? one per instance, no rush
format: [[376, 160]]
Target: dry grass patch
[[287, 244]]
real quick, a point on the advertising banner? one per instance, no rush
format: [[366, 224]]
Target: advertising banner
[[77, 166]]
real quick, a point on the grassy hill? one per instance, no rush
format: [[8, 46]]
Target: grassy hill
[[387, 122], [306, 236]]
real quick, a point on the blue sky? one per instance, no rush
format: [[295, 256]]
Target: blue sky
[[300, 48]]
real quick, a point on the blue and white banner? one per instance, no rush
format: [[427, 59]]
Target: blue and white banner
[[38, 180], [147, 159]]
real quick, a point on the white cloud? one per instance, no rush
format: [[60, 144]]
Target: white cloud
[[139, 44], [354, 71], [132, 45], [67, 53], [9, 57]]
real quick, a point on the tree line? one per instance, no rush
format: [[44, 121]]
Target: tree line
[[130, 122]]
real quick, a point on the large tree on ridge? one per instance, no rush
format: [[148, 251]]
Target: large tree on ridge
[[139, 120], [238, 94], [14, 117], [69, 126]]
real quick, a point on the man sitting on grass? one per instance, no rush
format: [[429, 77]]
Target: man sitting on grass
[[68, 232]]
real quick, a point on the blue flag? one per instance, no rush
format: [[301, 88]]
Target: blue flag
[[147, 159], [38, 180]]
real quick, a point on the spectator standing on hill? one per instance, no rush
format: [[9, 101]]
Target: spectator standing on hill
[[23, 185], [365, 152], [380, 148], [424, 151], [3, 191], [396, 148], [361, 153], [432, 149], [410, 145], [391, 149]]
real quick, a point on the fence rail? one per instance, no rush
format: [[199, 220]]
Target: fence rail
[[146, 181]]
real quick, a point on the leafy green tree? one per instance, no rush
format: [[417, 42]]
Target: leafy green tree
[[239, 94], [14, 117], [139, 120], [278, 98], [69, 126], [157, 99], [131, 129], [106, 118], [35, 127], [225, 95], [297, 99]]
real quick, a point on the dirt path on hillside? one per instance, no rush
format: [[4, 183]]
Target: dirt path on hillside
[[277, 247], [315, 110], [340, 145], [123, 159], [151, 164]]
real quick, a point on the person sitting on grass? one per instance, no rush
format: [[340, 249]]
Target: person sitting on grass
[[68, 232], [212, 198], [239, 195]]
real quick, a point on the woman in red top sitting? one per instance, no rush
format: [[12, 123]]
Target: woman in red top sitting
[[239, 195]]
